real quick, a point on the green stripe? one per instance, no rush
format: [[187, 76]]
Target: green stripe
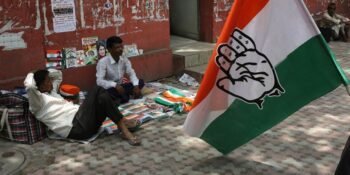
[[307, 73], [345, 79]]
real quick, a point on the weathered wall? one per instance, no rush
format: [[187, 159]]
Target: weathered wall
[[221, 9], [206, 20], [318, 6], [26, 31], [21, 39], [213, 14]]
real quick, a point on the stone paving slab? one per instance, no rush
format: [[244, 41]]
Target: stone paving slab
[[308, 142]]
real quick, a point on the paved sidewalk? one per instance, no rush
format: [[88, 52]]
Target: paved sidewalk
[[308, 142]]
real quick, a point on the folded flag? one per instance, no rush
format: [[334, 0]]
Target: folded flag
[[270, 60], [175, 99]]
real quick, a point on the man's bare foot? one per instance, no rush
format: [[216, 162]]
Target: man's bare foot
[[132, 140], [127, 135]]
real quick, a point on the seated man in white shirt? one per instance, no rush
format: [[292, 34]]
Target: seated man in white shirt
[[112, 69], [338, 25], [67, 119]]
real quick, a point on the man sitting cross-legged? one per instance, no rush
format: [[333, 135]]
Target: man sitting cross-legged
[[334, 25], [111, 71]]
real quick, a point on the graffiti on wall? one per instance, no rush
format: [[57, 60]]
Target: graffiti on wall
[[317, 7], [110, 13], [14, 20], [151, 10], [221, 8], [17, 17], [11, 41], [320, 2]]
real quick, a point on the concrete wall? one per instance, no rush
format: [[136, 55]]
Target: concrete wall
[[26, 31], [213, 14], [221, 8], [318, 6], [184, 18]]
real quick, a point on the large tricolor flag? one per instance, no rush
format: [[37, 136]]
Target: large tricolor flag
[[270, 60]]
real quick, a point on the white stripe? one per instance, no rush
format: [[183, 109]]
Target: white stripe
[[201, 116], [273, 26]]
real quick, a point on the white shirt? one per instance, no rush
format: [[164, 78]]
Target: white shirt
[[330, 21], [51, 109], [109, 73]]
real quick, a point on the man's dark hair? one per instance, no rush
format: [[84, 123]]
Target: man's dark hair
[[331, 4], [39, 76], [113, 40]]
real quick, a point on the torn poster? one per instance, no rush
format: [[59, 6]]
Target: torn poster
[[64, 19]]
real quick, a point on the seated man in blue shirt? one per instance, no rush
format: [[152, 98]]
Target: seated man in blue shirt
[[111, 70]]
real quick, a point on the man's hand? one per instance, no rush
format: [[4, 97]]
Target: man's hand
[[137, 92], [120, 89], [76, 101]]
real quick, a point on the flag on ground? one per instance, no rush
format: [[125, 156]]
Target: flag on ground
[[270, 60]]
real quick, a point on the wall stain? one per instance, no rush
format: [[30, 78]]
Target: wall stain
[[221, 9], [109, 14]]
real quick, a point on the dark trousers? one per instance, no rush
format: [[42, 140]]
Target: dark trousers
[[91, 114], [128, 88], [343, 167], [326, 33]]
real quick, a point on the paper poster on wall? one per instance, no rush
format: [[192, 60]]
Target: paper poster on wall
[[64, 19], [130, 50], [80, 58], [101, 48], [54, 59], [70, 57], [90, 49]]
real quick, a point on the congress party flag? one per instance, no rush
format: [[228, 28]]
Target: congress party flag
[[270, 61]]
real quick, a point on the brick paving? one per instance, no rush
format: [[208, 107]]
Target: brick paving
[[308, 142]]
